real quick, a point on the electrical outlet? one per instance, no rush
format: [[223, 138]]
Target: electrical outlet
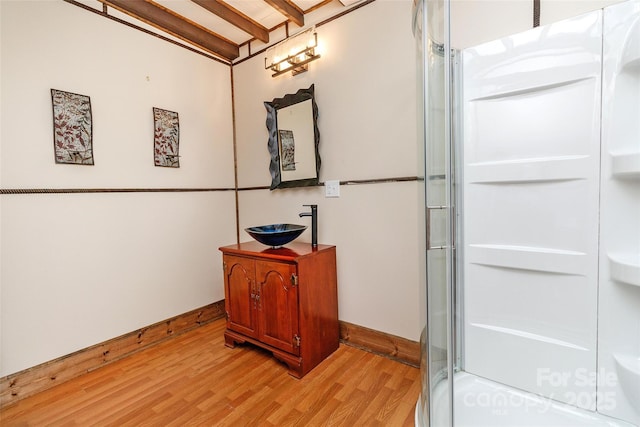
[[332, 189]]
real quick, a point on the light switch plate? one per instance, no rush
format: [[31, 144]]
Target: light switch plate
[[332, 188]]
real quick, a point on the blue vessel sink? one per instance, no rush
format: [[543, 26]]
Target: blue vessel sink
[[276, 235]]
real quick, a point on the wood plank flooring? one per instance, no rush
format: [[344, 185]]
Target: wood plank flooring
[[194, 380]]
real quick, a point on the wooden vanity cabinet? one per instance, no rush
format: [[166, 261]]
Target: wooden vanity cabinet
[[284, 300]]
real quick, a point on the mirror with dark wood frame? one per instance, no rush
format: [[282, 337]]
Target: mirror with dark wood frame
[[293, 140]]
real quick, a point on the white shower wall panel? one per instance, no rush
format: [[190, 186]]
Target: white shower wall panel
[[528, 223], [545, 119], [531, 168], [619, 301]]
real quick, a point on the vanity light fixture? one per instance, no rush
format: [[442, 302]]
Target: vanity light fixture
[[293, 54]]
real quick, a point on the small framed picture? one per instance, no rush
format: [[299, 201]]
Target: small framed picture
[[166, 138], [72, 128]]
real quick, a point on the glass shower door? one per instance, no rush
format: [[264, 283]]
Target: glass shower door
[[431, 30]]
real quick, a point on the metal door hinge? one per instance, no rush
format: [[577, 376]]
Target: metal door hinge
[[294, 280], [224, 266], [296, 340]]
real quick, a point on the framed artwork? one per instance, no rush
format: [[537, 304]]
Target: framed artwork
[[166, 138], [72, 128]]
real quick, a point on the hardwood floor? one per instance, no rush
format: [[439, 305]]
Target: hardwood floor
[[194, 380]]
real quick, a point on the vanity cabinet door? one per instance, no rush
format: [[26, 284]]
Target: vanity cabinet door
[[240, 294], [277, 308]]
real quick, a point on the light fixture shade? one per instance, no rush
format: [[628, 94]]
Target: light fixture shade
[[293, 53]]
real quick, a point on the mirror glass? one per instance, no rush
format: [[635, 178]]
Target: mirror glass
[[293, 140]]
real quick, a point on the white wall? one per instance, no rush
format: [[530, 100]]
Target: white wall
[[78, 269], [365, 91]]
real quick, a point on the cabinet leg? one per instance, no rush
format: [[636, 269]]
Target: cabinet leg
[[293, 363], [230, 341]]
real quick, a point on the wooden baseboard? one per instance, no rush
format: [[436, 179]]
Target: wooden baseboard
[[44, 376], [41, 377], [387, 345]]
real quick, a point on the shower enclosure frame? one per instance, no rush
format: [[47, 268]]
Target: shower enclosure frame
[[431, 26], [441, 170]]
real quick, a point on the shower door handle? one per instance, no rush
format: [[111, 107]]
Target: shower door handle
[[429, 209]]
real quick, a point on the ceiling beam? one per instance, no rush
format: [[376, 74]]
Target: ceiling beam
[[236, 18], [288, 9], [176, 25]]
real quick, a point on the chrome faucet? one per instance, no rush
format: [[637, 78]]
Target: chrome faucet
[[314, 224]]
